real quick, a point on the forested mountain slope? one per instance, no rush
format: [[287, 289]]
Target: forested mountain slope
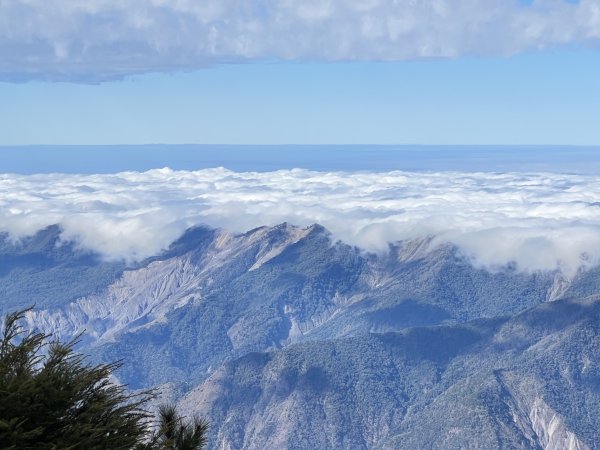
[[287, 338]]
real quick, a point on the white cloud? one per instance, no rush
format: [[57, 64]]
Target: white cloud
[[106, 39], [538, 221]]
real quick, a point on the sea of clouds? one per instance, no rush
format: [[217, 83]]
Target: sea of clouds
[[536, 221], [105, 39]]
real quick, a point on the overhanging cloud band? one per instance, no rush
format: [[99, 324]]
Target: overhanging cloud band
[[99, 40]]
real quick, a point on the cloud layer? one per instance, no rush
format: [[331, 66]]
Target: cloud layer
[[538, 221], [97, 40]]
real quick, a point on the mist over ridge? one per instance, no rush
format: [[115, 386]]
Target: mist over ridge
[[533, 221]]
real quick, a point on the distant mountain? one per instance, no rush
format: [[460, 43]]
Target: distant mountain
[[49, 272], [287, 339]]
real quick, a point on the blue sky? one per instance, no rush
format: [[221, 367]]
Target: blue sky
[[510, 73]]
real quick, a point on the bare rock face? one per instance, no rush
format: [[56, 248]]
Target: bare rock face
[[137, 299], [551, 430], [285, 339], [543, 426], [559, 287]]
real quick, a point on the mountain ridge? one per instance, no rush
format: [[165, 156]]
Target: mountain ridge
[[276, 309]]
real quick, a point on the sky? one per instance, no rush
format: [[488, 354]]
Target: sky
[[299, 72]]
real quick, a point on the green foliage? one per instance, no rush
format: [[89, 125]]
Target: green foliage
[[173, 432], [50, 398]]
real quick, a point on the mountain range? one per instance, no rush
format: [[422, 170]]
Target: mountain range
[[284, 337]]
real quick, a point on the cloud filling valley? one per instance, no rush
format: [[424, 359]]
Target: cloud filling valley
[[536, 221]]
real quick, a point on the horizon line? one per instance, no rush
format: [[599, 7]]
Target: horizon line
[[6, 146]]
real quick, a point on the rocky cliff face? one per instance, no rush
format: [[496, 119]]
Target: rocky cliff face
[[286, 339]]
